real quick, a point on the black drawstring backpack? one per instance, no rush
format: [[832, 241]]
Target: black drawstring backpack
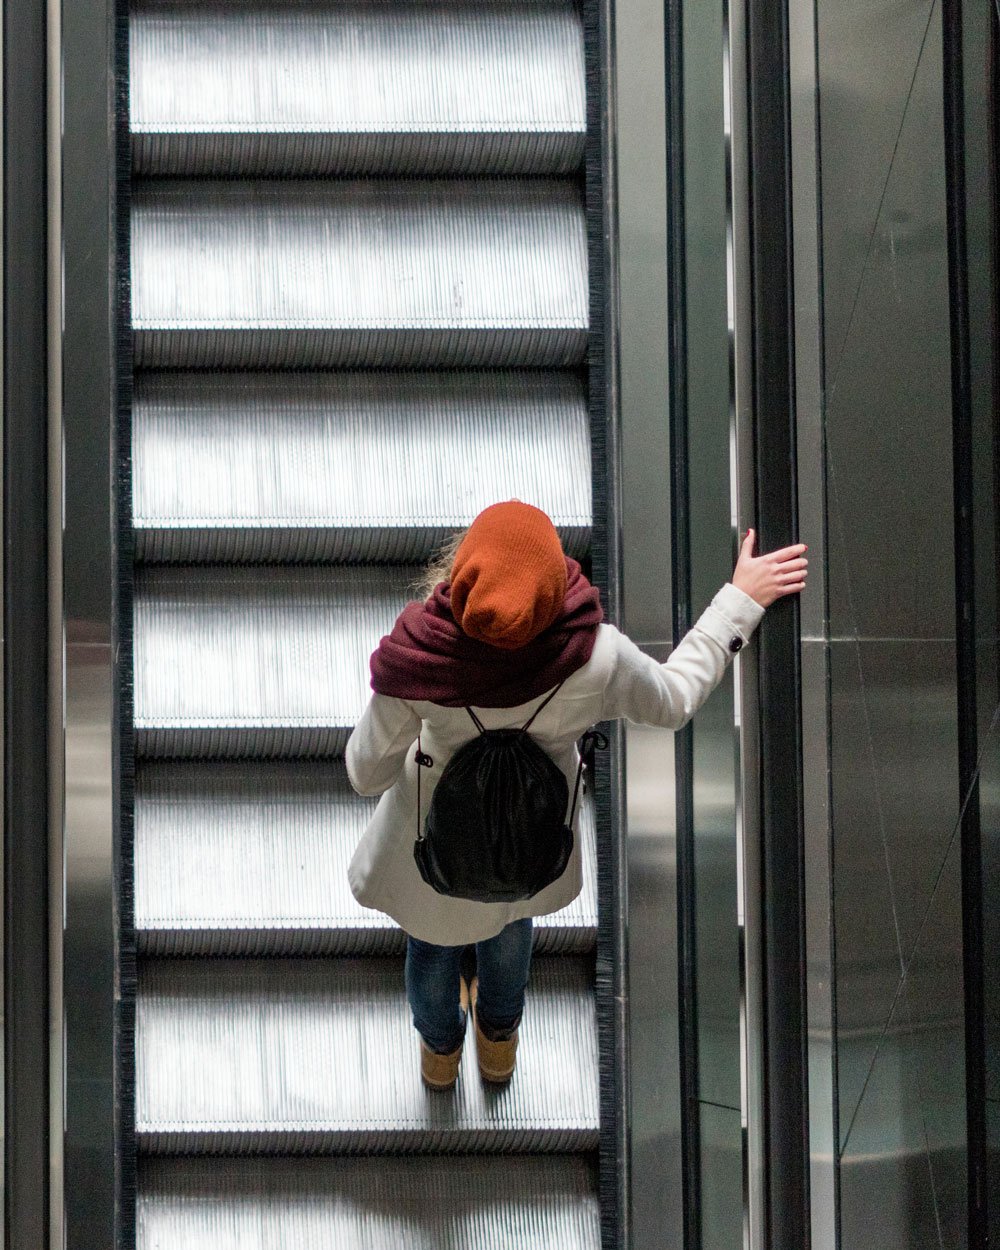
[[497, 829]]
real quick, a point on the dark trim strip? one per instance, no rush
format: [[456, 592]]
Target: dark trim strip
[[26, 770], [786, 1127], [612, 972], [126, 1194], [965, 623], [687, 961]]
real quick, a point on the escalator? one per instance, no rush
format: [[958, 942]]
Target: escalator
[[360, 314]]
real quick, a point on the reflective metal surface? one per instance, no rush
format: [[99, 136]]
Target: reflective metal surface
[[892, 667], [339, 470], [82, 428], [978, 461], [252, 859], [225, 657], [656, 1207], [26, 856], [544, 1203], [244, 1057], [713, 935], [642, 303], [747, 714], [457, 274], [823, 1150], [350, 466], [357, 88], [657, 1189]]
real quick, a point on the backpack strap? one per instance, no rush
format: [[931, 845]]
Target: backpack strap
[[592, 740], [541, 707], [530, 721], [423, 761]]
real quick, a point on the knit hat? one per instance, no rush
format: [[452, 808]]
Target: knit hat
[[508, 579]]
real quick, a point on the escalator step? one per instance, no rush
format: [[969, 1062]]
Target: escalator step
[[249, 661], [542, 1203], [283, 1056], [324, 274], [240, 859], [272, 88], [350, 467]]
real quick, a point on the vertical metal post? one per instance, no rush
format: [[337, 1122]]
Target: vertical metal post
[[781, 861], [644, 516], [744, 509], [56, 692], [810, 456], [25, 680], [965, 626]]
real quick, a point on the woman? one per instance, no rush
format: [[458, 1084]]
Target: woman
[[512, 619]]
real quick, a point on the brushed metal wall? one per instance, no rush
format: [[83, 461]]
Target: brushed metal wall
[[898, 1107], [980, 32], [656, 1204]]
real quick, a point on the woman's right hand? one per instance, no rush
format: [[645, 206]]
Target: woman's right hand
[[771, 576]]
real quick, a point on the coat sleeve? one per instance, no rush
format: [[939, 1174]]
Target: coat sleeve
[[376, 750], [669, 694]]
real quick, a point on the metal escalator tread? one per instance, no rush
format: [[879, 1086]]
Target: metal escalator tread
[[281, 1056], [541, 1203], [241, 859], [243, 661], [334, 274], [273, 88], [350, 467]]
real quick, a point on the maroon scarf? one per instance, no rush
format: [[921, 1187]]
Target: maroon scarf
[[428, 657]]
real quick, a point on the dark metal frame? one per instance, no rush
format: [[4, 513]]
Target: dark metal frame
[[786, 1126], [602, 377], [25, 611], [965, 627], [88, 424], [127, 964], [681, 587]]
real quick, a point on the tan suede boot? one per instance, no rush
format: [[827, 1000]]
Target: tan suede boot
[[496, 1059], [440, 1072]]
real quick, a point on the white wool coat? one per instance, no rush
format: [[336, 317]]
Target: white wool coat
[[618, 680]]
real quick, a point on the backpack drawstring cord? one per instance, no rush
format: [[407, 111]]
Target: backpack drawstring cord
[[423, 760]]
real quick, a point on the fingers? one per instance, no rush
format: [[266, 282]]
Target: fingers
[[793, 588], [746, 547], [788, 553]]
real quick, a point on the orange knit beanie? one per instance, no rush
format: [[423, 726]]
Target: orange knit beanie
[[508, 579]]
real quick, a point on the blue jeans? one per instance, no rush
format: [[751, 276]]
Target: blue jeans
[[432, 986]]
